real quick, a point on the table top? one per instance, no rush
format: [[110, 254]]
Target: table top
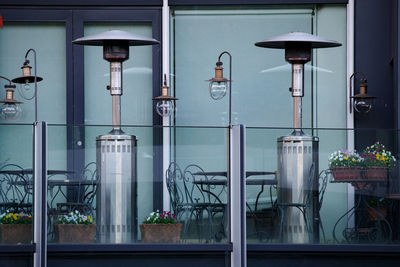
[[30, 171], [224, 173], [359, 181], [249, 181]]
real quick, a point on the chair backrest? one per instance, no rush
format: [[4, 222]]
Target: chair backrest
[[15, 189], [323, 183], [311, 182], [176, 187], [200, 186]]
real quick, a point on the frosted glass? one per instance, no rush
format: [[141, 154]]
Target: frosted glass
[[15, 40], [260, 77]]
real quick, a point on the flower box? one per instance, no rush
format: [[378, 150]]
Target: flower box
[[15, 233], [161, 233], [376, 173], [346, 173], [74, 233]]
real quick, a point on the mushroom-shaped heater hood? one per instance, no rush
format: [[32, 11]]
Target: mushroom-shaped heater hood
[[301, 39], [115, 36]]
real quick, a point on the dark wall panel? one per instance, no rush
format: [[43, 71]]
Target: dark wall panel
[[374, 58], [327, 260], [143, 260]]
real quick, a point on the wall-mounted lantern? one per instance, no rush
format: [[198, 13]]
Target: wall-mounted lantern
[[165, 104], [10, 109], [219, 85], [363, 102], [27, 77]]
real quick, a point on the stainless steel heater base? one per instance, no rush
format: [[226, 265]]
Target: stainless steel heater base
[[297, 177], [117, 188]]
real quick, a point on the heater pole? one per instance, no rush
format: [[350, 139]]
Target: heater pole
[[297, 93], [116, 92]]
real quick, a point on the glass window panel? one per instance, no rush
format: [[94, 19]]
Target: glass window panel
[[15, 40], [260, 77]]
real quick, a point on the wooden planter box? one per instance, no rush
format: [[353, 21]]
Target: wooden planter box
[[74, 233], [15, 233], [161, 233], [376, 173], [346, 173]]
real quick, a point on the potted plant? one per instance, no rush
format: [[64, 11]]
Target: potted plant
[[346, 165], [15, 228], [161, 228], [74, 228], [377, 161]]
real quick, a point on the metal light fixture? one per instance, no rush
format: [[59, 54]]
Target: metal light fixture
[[362, 101], [27, 77], [219, 85], [165, 104], [10, 109]]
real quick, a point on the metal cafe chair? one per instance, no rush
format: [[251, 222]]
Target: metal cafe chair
[[191, 201], [303, 205], [15, 190]]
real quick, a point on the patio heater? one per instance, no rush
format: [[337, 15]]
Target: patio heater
[[116, 214], [298, 152]]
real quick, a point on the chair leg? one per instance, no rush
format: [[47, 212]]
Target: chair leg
[[282, 215]]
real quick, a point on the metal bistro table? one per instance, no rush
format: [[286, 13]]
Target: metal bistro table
[[249, 181], [206, 183], [55, 186], [364, 229]]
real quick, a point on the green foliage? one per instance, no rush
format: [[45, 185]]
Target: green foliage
[[160, 218], [15, 218], [377, 156], [344, 158], [75, 218]]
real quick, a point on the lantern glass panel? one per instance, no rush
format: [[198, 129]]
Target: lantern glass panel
[[10, 111], [164, 107], [218, 90]]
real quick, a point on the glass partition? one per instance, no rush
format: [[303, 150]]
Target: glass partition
[[311, 190], [16, 184], [118, 188]]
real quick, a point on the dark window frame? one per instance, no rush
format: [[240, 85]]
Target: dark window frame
[[74, 20], [251, 2]]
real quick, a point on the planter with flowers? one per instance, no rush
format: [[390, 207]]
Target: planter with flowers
[[346, 165], [74, 228], [15, 228], [377, 161], [161, 228]]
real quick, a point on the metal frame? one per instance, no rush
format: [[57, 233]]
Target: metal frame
[[251, 2], [237, 194], [40, 194], [82, 3]]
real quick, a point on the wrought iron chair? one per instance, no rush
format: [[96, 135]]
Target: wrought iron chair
[[303, 206], [83, 200], [191, 199], [323, 183], [15, 190]]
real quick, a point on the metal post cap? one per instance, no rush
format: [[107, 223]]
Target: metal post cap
[[115, 35], [297, 38]]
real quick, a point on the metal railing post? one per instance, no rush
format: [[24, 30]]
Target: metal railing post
[[237, 161], [40, 194]]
